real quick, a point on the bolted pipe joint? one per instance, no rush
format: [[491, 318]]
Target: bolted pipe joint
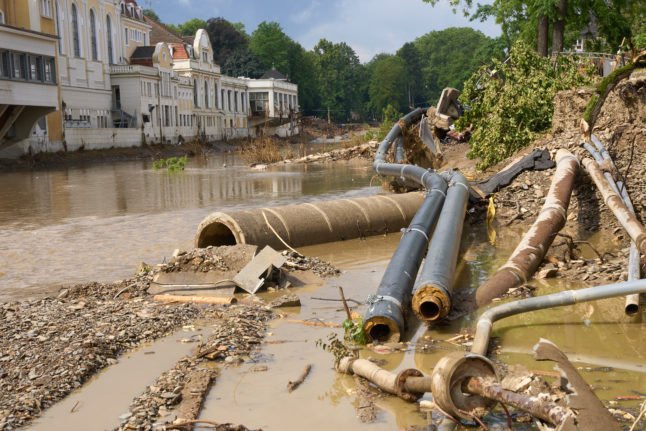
[[449, 381]]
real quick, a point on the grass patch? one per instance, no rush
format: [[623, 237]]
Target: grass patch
[[173, 164]]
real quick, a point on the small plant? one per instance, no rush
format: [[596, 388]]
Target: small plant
[[173, 164], [354, 331]]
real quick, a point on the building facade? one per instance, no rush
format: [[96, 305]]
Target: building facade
[[114, 78], [29, 84]]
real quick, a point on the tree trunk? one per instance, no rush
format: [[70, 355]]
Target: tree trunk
[[559, 27], [543, 27]]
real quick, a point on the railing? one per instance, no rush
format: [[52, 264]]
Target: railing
[[77, 124], [127, 68]]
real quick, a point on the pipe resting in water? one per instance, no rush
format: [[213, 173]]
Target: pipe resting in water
[[385, 318], [529, 253], [432, 294], [568, 297], [600, 155]]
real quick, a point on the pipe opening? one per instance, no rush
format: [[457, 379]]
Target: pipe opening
[[380, 332], [429, 310], [216, 234], [632, 309]]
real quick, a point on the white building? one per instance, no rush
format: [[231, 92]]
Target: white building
[[122, 80]]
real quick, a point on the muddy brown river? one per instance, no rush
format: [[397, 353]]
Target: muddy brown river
[[99, 222]]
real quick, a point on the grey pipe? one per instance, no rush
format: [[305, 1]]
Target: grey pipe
[[432, 294], [600, 154], [568, 297], [385, 319]]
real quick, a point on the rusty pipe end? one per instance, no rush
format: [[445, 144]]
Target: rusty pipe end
[[381, 328], [431, 303]]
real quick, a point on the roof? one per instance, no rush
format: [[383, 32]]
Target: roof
[[274, 74], [162, 33], [143, 52]]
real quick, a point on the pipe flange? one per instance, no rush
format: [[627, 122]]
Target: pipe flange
[[450, 374], [400, 384]]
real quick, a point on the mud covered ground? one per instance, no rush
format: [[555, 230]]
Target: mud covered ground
[[51, 346]]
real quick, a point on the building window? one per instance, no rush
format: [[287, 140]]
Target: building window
[[19, 66], [75, 32], [206, 94], [1, 17], [126, 31], [235, 101], [46, 8], [222, 99], [195, 92], [229, 100], [50, 70], [5, 68], [108, 30], [95, 54]]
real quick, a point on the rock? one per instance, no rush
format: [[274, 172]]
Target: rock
[[289, 300], [548, 273]]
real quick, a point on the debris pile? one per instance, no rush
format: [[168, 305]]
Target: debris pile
[[296, 261], [50, 347], [236, 333]]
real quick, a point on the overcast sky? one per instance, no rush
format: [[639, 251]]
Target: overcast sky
[[368, 26]]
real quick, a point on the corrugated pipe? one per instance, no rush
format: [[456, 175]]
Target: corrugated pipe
[[529, 253], [433, 290], [568, 297], [310, 223], [631, 306], [385, 318]]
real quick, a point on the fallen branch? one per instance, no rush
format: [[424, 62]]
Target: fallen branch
[[575, 242], [291, 386], [337, 300]]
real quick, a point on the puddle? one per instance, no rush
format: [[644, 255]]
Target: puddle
[[106, 396], [611, 356]]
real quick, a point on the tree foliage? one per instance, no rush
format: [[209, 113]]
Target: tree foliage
[[450, 56], [152, 15], [339, 76], [387, 84], [190, 27], [270, 43], [511, 101], [226, 40]]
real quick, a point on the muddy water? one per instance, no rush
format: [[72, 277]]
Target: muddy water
[[610, 355], [98, 222]]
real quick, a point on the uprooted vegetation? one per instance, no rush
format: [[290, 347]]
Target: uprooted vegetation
[[510, 102]]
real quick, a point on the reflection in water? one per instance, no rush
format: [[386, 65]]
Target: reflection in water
[[98, 222]]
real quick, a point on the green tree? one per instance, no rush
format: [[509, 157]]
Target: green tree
[[226, 39], [152, 15], [242, 62], [339, 75], [302, 71], [413, 74], [271, 45], [387, 84], [190, 27], [450, 56]]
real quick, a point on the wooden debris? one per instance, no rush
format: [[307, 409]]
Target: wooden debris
[[291, 386], [214, 300]]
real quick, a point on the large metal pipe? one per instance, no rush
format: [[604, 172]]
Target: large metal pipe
[[529, 253], [310, 223], [614, 201], [433, 291], [568, 297], [631, 306], [385, 318]]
